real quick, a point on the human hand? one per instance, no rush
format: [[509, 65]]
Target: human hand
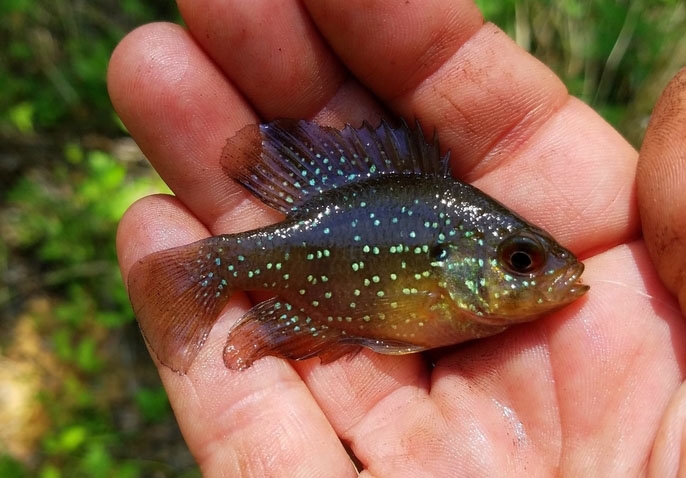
[[580, 392]]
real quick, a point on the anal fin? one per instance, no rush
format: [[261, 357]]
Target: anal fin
[[275, 328]]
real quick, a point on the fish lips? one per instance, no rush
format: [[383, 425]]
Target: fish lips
[[568, 287]]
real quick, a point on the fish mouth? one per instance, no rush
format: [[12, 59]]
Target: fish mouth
[[563, 290], [569, 286]]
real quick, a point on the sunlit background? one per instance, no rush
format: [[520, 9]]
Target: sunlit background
[[79, 396]]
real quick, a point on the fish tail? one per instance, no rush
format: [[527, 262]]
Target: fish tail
[[177, 295]]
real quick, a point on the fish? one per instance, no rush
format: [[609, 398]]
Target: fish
[[380, 247]]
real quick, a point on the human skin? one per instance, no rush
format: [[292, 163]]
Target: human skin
[[592, 390]]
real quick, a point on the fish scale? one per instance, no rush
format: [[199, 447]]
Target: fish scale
[[380, 248]]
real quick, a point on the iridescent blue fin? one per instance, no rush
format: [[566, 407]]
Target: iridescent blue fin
[[275, 328], [286, 161]]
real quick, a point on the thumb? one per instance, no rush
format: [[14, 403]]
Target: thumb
[[661, 183]]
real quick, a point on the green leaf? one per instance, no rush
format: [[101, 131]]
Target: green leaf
[[112, 319], [21, 116], [72, 438], [11, 468], [97, 462], [128, 470], [61, 341], [12, 6], [86, 355], [73, 153], [153, 403], [50, 471]]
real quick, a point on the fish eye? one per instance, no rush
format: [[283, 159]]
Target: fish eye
[[521, 254]]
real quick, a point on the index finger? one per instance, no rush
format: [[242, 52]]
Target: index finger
[[662, 186]]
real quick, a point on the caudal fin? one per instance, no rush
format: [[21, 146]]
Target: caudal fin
[[177, 296]]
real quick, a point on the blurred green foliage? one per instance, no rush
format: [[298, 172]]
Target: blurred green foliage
[[68, 171], [615, 55], [67, 174], [54, 59]]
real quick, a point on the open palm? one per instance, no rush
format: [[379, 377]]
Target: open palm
[[581, 392]]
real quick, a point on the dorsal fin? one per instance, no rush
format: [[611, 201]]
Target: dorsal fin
[[286, 161]]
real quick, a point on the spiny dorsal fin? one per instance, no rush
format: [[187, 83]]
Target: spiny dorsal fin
[[286, 161]]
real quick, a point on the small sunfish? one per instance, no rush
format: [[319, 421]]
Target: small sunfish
[[380, 248]]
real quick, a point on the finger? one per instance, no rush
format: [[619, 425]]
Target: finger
[[464, 78], [661, 181], [275, 56], [410, 40], [180, 109], [278, 60], [668, 457], [574, 180], [254, 423], [493, 104]]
